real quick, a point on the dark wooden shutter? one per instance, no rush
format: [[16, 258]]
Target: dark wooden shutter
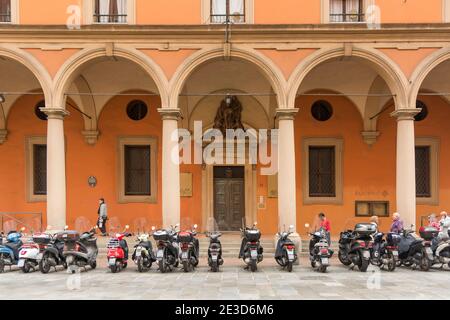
[[423, 179], [322, 172], [40, 169], [137, 170]]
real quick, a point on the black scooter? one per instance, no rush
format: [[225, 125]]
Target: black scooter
[[214, 251], [319, 250], [52, 256], [80, 251], [411, 251], [384, 253], [251, 250], [167, 248], [355, 246], [285, 254], [143, 254]]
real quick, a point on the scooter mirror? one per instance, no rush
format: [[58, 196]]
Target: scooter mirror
[[291, 228], [306, 225], [66, 227], [195, 226], [255, 224], [22, 229], [127, 227], [153, 228]]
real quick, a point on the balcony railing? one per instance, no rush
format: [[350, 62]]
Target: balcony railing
[[347, 17], [110, 18], [223, 18]]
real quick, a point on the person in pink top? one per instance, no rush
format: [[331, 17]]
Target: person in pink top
[[433, 222], [325, 224]]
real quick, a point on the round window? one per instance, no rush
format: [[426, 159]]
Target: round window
[[322, 110], [38, 112], [422, 114], [137, 110]]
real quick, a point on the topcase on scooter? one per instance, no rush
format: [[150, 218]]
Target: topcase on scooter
[[42, 238], [428, 233], [365, 229], [252, 235]]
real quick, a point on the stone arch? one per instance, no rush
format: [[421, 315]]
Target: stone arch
[[423, 70], [268, 68], [38, 71], [387, 69], [68, 71]]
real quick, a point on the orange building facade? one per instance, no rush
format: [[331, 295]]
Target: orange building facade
[[91, 91]]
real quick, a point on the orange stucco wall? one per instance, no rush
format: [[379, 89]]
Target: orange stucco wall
[[265, 11]]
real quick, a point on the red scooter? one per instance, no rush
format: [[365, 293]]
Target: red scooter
[[118, 251]]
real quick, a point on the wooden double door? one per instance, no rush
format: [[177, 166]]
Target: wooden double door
[[229, 197]]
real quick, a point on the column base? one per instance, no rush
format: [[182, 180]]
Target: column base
[[295, 237]]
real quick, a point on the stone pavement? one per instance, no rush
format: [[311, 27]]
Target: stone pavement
[[231, 283]]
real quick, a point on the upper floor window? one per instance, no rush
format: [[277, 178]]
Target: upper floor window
[[228, 11], [110, 11], [346, 10], [5, 10]]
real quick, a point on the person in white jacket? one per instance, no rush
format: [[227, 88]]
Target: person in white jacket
[[102, 216]]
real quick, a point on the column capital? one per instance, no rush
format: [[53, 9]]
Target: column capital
[[405, 114], [286, 114], [3, 135], [170, 113], [55, 113]]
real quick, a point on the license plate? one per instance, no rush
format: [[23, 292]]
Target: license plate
[[324, 261], [21, 263], [429, 252], [138, 253], [160, 254], [112, 261], [253, 254], [184, 255], [366, 254], [214, 257], [395, 253], [290, 255]]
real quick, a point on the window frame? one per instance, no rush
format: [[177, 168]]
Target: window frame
[[29, 158], [206, 9], [326, 12], [371, 203], [137, 141], [331, 174], [338, 144], [434, 145], [14, 13], [89, 13]]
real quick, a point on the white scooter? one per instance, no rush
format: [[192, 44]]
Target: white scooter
[[30, 254]]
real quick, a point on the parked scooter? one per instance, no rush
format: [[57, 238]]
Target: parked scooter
[[214, 251], [355, 246], [428, 234], [319, 250], [411, 251], [9, 250], [189, 249], [80, 251], [167, 248], [384, 253], [30, 253], [143, 254], [251, 250], [440, 245], [117, 254], [52, 255], [285, 254]]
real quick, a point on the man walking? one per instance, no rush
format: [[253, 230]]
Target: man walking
[[102, 216]]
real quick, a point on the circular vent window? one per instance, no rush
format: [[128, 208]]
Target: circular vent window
[[422, 114], [322, 110], [38, 112], [137, 110]]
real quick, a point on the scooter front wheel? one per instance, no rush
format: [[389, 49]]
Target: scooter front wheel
[[44, 264], [2, 264], [93, 264], [344, 261], [26, 267]]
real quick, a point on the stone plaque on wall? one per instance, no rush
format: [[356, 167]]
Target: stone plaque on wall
[[272, 186], [186, 184]]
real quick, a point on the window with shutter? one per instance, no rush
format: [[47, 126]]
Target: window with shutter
[[322, 180], [227, 10], [423, 172], [39, 169], [346, 10], [110, 11], [137, 170], [5, 10]]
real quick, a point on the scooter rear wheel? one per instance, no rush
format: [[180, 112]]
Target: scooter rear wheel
[[322, 269], [344, 261], [214, 266], [2, 264], [140, 264], [253, 266], [26, 267], [93, 264], [113, 268], [186, 266], [392, 263], [363, 265], [289, 266], [44, 265]]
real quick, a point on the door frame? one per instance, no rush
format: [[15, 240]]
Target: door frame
[[250, 189]]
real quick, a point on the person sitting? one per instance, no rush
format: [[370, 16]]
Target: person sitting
[[397, 223]]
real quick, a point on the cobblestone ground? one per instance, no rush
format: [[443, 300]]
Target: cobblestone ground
[[270, 282]]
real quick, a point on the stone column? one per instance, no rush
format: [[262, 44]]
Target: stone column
[[287, 205], [406, 165], [170, 167], [56, 168]]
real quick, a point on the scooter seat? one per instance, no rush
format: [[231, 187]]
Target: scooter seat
[[145, 244]]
